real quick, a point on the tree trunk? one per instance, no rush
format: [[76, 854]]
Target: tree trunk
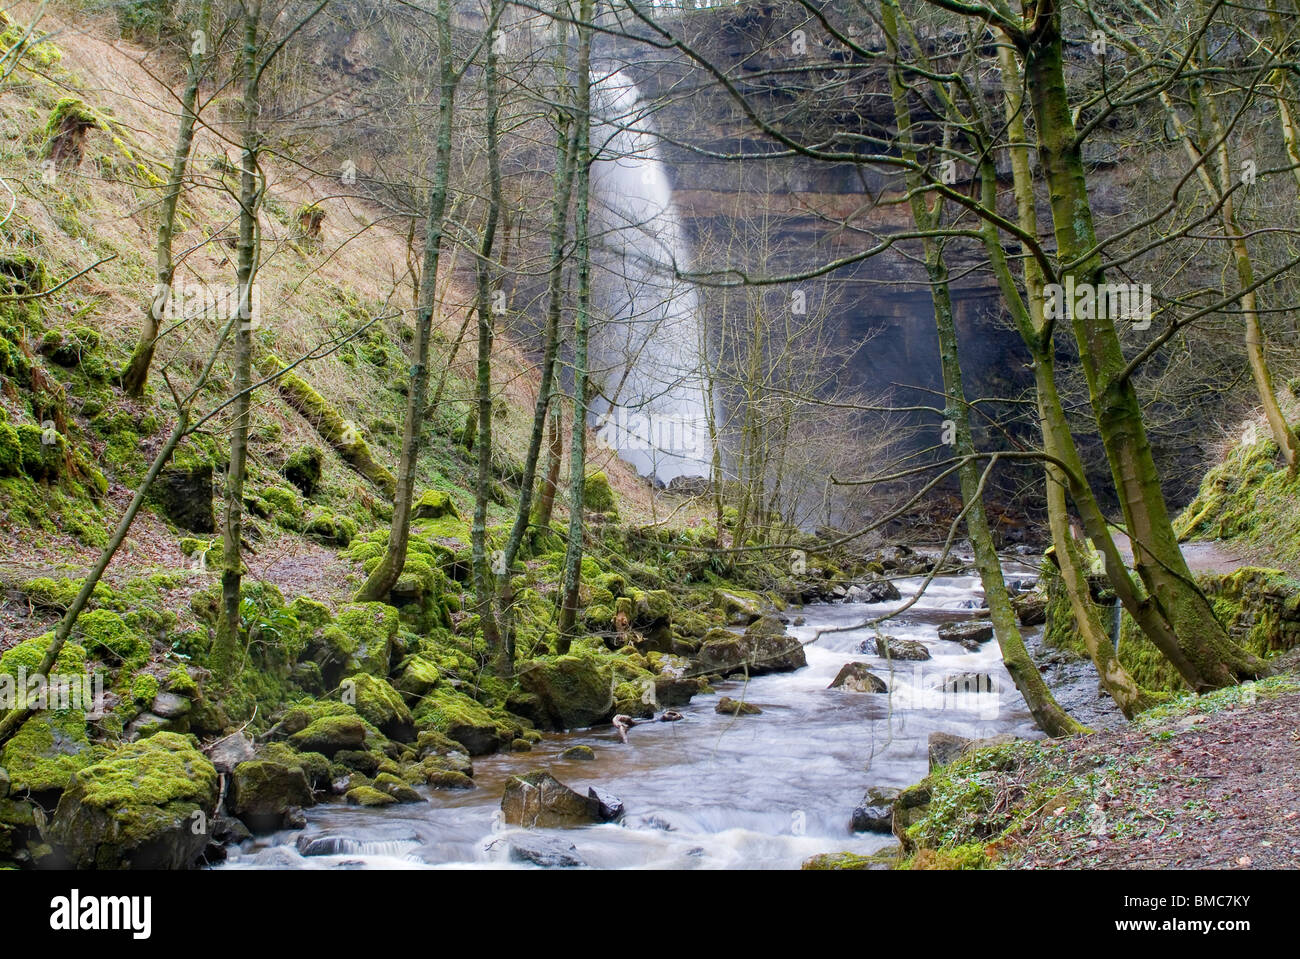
[[484, 586], [578, 441], [384, 576], [1047, 713], [136, 373], [232, 563], [1213, 658]]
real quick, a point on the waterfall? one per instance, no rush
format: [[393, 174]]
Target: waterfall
[[647, 343]]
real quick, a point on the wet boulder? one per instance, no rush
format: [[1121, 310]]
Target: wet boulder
[[550, 852], [146, 805], [908, 649], [763, 648], [967, 632], [873, 591], [858, 678], [735, 707], [876, 811], [1031, 609], [540, 801], [263, 794]]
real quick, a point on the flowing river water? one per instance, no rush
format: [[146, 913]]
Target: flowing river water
[[710, 791]]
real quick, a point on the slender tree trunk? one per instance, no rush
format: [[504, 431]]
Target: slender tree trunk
[[136, 373], [1283, 434], [554, 457], [563, 192], [232, 562], [384, 576], [1214, 659], [578, 441], [484, 586]]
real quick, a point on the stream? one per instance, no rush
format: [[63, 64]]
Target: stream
[[710, 791]]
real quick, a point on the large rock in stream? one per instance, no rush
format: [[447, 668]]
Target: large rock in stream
[[568, 693], [540, 801], [858, 678], [763, 648]]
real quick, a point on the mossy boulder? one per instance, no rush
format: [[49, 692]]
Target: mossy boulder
[[360, 640], [44, 451], [568, 692], [331, 734], [380, 705], [262, 793], [390, 784], [369, 796], [303, 469], [434, 504], [598, 495], [144, 806], [462, 720], [418, 676], [104, 633], [740, 607], [764, 648]]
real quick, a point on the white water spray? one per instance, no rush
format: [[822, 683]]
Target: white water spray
[[648, 340]]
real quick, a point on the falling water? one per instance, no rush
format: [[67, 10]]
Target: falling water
[[647, 342]]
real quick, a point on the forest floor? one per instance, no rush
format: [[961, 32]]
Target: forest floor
[[1203, 783]]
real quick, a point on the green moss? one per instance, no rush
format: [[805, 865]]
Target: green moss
[[137, 786], [103, 631], [145, 688], [343, 436], [597, 494], [434, 504], [11, 451], [47, 750]]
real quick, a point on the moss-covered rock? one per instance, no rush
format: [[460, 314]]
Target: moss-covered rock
[[568, 692], [104, 633], [390, 784], [462, 720], [144, 806], [434, 504], [370, 797], [262, 793], [331, 734], [360, 639], [303, 469], [598, 495], [380, 705]]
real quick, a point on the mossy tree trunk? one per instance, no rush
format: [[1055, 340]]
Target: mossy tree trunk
[[136, 373], [578, 442], [484, 585], [226, 642], [384, 576], [1047, 713], [1211, 656], [1058, 442], [562, 186]]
